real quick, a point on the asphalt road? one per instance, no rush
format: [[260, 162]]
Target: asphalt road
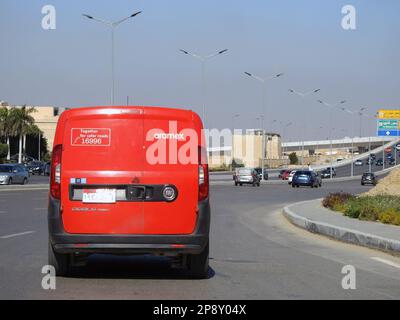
[[255, 254]]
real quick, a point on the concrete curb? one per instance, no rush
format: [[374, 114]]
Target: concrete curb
[[340, 233]]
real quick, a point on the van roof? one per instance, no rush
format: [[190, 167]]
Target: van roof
[[149, 110]]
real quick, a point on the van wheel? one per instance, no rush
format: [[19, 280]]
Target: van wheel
[[198, 264], [241, 184], [60, 261]]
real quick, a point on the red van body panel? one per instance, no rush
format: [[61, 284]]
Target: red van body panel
[[108, 147]]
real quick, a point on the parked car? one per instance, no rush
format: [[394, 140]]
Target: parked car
[[358, 163], [306, 178], [13, 173], [326, 173], [379, 162], [285, 175], [368, 178], [391, 161], [259, 171], [290, 177], [47, 167], [247, 176], [110, 193], [35, 167]]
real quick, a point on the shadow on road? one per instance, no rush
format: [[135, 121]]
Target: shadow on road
[[131, 267]]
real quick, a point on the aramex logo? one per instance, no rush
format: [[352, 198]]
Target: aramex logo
[[166, 136]]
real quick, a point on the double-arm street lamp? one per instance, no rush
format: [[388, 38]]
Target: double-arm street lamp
[[331, 106], [112, 26], [263, 81], [203, 60], [303, 95]]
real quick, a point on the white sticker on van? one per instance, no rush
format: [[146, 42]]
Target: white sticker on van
[[90, 137]]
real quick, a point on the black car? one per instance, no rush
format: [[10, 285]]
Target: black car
[[306, 178], [46, 170], [379, 162], [326, 173], [35, 167], [368, 178], [259, 172]]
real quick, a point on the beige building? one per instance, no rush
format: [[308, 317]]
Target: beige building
[[46, 119], [247, 150]]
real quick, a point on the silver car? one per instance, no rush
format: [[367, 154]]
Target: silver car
[[13, 173]]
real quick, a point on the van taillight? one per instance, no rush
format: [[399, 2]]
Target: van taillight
[[203, 174], [55, 175]]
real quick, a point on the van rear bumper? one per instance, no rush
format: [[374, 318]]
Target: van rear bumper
[[63, 242]]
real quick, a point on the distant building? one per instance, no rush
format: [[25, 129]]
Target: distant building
[[247, 149]]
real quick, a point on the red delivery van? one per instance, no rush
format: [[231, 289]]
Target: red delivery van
[[129, 180]]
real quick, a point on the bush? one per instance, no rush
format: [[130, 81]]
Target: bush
[[3, 151], [337, 201], [293, 158], [391, 216], [384, 208]]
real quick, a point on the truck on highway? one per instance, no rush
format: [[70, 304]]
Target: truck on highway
[[129, 180]]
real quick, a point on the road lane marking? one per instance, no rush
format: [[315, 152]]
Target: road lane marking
[[16, 234], [388, 262]]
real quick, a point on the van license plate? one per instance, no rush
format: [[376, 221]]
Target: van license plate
[[98, 195]]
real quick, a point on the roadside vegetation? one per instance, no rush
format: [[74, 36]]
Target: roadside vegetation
[[17, 127], [383, 208]]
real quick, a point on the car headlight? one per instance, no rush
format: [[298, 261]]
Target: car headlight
[[3, 177]]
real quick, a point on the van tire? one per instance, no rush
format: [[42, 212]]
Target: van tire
[[60, 262], [198, 264]]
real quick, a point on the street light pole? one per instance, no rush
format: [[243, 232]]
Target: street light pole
[[331, 106], [237, 115], [263, 82], [303, 95], [112, 25], [203, 60]]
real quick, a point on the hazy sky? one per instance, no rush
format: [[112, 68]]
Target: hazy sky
[[70, 66]]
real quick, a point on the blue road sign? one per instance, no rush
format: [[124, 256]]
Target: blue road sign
[[388, 133], [388, 127]]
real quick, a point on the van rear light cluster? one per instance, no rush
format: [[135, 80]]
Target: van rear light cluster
[[55, 174], [203, 174]]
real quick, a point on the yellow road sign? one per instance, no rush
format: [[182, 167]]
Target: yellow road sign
[[389, 114]]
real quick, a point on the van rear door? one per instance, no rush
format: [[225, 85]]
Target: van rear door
[[170, 141], [102, 154]]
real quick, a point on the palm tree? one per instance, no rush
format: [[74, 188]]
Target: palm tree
[[5, 127], [20, 121]]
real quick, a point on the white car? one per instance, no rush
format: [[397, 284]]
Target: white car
[[290, 178], [358, 163]]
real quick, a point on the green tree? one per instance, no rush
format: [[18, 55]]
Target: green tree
[[20, 121], [3, 151], [5, 127], [293, 158]]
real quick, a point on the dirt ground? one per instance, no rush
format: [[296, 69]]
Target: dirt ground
[[389, 185]]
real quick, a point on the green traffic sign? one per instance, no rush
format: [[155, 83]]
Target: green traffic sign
[[387, 124]]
